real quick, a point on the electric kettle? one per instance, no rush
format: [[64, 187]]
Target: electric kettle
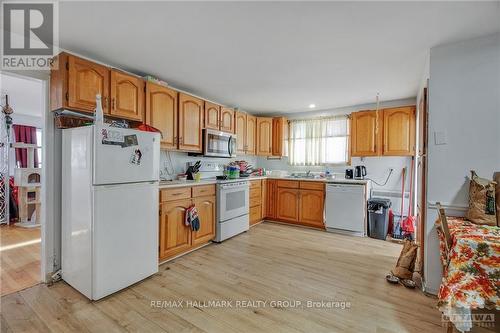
[[359, 172]]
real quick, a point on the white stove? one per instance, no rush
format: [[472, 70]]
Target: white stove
[[232, 201]]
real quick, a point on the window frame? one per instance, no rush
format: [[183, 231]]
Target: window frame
[[348, 161]]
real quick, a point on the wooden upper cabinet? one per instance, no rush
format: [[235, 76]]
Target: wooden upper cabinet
[[240, 130], [206, 214], [280, 136], [212, 115], [251, 144], [191, 112], [175, 236], [161, 113], [85, 80], [399, 131], [366, 133], [264, 136], [287, 204], [127, 96], [312, 207], [227, 120]]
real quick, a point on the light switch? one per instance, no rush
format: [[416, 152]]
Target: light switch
[[440, 138]]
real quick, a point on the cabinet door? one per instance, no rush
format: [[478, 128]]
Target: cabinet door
[[271, 199], [161, 113], [251, 133], [85, 80], [212, 115], [399, 131], [206, 214], [227, 120], [264, 202], [264, 136], [287, 206], [127, 96], [312, 207], [175, 236], [241, 132], [280, 136], [190, 123], [365, 133]]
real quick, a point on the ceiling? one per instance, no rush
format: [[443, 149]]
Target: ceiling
[[275, 56]]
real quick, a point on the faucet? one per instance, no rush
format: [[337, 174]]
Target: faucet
[[308, 173]]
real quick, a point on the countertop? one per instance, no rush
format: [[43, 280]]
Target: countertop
[[180, 183]]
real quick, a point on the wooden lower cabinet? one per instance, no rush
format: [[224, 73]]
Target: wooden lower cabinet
[[206, 213], [287, 204], [298, 203], [311, 208], [270, 202], [257, 201], [175, 238]]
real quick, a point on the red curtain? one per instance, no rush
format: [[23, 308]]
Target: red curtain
[[26, 134]]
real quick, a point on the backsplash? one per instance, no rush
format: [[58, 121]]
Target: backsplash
[[179, 160], [377, 169]]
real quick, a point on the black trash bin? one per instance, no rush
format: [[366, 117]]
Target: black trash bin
[[378, 217]]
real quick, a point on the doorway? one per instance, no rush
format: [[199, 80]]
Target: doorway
[[23, 99]]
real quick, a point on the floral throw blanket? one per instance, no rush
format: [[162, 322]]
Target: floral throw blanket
[[471, 277]]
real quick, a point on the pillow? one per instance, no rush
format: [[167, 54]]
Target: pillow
[[482, 208]]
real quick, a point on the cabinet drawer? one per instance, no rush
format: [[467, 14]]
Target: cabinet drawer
[[200, 191], [255, 214], [175, 194], [255, 184], [312, 185], [255, 193], [288, 183], [255, 201]]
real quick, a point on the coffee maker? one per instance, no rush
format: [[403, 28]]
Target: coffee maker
[[359, 172]]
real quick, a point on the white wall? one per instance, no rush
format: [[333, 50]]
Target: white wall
[[464, 102]]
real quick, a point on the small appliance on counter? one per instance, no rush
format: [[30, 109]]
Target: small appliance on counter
[[359, 172], [348, 174]]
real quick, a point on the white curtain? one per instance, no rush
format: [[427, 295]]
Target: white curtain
[[319, 141]]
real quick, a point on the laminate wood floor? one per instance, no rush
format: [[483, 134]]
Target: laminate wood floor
[[271, 263], [19, 258]]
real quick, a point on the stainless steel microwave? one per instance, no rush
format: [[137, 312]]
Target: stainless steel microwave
[[218, 144]]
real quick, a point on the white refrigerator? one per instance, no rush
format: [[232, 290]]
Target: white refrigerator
[[109, 208]]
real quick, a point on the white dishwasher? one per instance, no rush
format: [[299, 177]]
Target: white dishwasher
[[346, 208]]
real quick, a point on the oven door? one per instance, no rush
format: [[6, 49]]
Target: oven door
[[232, 200], [219, 144]]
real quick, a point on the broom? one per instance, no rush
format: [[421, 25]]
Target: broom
[[408, 223]]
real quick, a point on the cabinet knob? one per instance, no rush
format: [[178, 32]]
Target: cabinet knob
[[113, 103]]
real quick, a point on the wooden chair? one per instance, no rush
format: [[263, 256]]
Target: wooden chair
[[447, 242], [444, 227]]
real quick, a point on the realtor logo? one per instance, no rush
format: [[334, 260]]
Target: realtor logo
[[29, 32]]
